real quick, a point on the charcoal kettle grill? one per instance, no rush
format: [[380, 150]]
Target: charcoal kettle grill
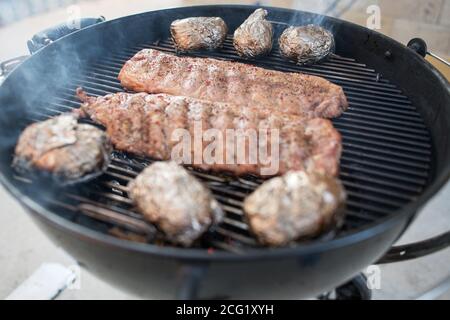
[[396, 157]]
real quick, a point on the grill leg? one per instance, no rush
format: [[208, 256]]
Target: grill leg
[[355, 289], [190, 280]]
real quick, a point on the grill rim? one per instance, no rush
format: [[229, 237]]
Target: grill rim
[[369, 230]]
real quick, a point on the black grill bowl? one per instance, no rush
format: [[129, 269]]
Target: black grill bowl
[[396, 157]]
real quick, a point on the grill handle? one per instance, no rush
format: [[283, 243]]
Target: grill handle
[[417, 249], [437, 243], [47, 36], [8, 65], [420, 47]]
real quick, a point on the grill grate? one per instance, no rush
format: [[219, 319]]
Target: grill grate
[[385, 162]]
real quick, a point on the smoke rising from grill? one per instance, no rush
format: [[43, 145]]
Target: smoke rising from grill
[[320, 9]]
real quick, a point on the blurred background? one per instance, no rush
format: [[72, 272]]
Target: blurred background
[[401, 19], [23, 248]]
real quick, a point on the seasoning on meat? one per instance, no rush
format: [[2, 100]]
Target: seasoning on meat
[[198, 33], [254, 37], [175, 201], [306, 44], [296, 205], [70, 152], [241, 84], [145, 124]]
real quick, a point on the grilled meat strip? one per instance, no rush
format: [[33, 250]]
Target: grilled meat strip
[[145, 124], [306, 44], [177, 203], [68, 151], [296, 205], [254, 37], [198, 33], [154, 71]]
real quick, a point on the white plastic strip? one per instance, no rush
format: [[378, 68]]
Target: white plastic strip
[[45, 283]]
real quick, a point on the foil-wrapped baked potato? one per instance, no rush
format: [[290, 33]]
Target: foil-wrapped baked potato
[[254, 37], [63, 149], [306, 44], [198, 33]]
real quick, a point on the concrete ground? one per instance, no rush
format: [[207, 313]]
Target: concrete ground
[[23, 247]]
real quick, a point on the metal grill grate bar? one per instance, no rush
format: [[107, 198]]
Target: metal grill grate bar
[[385, 162]]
